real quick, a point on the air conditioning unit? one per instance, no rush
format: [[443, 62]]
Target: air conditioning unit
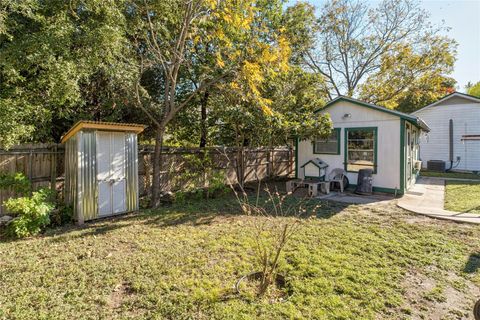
[[417, 165], [436, 165]]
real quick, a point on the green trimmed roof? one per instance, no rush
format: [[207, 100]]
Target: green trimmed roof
[[410, 118], [317, 162]]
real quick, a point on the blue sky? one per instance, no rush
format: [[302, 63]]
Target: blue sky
[[463, 19]]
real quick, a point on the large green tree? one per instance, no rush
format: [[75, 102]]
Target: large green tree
[[60, 61], [294, 96], [192, 46], [376, 53]]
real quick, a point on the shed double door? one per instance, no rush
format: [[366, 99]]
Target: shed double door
[[111, 181]]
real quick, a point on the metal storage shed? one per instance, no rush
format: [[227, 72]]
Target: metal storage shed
[[101, 169]]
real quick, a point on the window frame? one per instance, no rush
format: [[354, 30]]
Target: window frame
[[375, 147], [337, 152]]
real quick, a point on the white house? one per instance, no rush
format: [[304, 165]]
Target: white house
[[367, 136], [455, 132]]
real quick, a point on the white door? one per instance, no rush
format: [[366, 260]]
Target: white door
[[408, 169], [111, 173], [411, 154]]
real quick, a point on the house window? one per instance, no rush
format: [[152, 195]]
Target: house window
[[360, 149], [329, 145]]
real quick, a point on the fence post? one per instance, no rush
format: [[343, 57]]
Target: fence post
[[271, 163], [30, 170], [291, 159], [53, 168]]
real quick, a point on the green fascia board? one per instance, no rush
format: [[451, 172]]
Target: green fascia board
[[339, 130], [379, 189], [402, 155], [312, 162], [375, 151], [414, 120]]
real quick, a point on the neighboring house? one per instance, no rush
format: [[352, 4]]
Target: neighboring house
[[460, 148], [367, 136]]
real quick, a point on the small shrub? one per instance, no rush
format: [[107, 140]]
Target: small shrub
[[180, 197], [144, 202], [271, 235], [62, 215], [216, 185], [17, 182], [200, 179], [31, 213]]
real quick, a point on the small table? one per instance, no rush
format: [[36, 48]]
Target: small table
[[311, 184], [292, 184], [313, 187]]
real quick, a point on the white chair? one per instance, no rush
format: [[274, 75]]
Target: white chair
[[337, 176]]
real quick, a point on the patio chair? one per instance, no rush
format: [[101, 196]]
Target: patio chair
[[337, 176]]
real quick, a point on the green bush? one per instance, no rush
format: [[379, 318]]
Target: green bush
[[217, 184], [63, 214], [17, 182], [31, 214]]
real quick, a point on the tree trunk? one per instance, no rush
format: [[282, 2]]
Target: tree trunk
[[157, 167], [203, 119], [240, 166]]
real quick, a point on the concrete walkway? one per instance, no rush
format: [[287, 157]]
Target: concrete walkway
[[427, 198]]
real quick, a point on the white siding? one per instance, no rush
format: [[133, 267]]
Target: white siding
[[388, 153], [466, 120]]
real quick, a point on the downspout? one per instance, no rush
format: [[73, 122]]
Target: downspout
[[450, 144]]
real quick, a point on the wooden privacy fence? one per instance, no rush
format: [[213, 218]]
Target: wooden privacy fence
[[44, 165]]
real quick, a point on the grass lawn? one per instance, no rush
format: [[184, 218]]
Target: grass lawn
[[462, 196], [355, 262], [454, 175]]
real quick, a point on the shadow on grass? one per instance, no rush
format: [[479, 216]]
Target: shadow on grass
[[195, 212], [473, 263], [62, 234], [204, 212]]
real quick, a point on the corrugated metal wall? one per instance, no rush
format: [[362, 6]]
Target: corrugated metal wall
[[81, 174], [71, 159], [87, 175]]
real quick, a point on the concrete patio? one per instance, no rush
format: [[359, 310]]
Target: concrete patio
[[427, 198], [352, 198]]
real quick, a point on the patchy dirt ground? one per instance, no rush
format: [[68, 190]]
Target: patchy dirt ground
[[431, 293]]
